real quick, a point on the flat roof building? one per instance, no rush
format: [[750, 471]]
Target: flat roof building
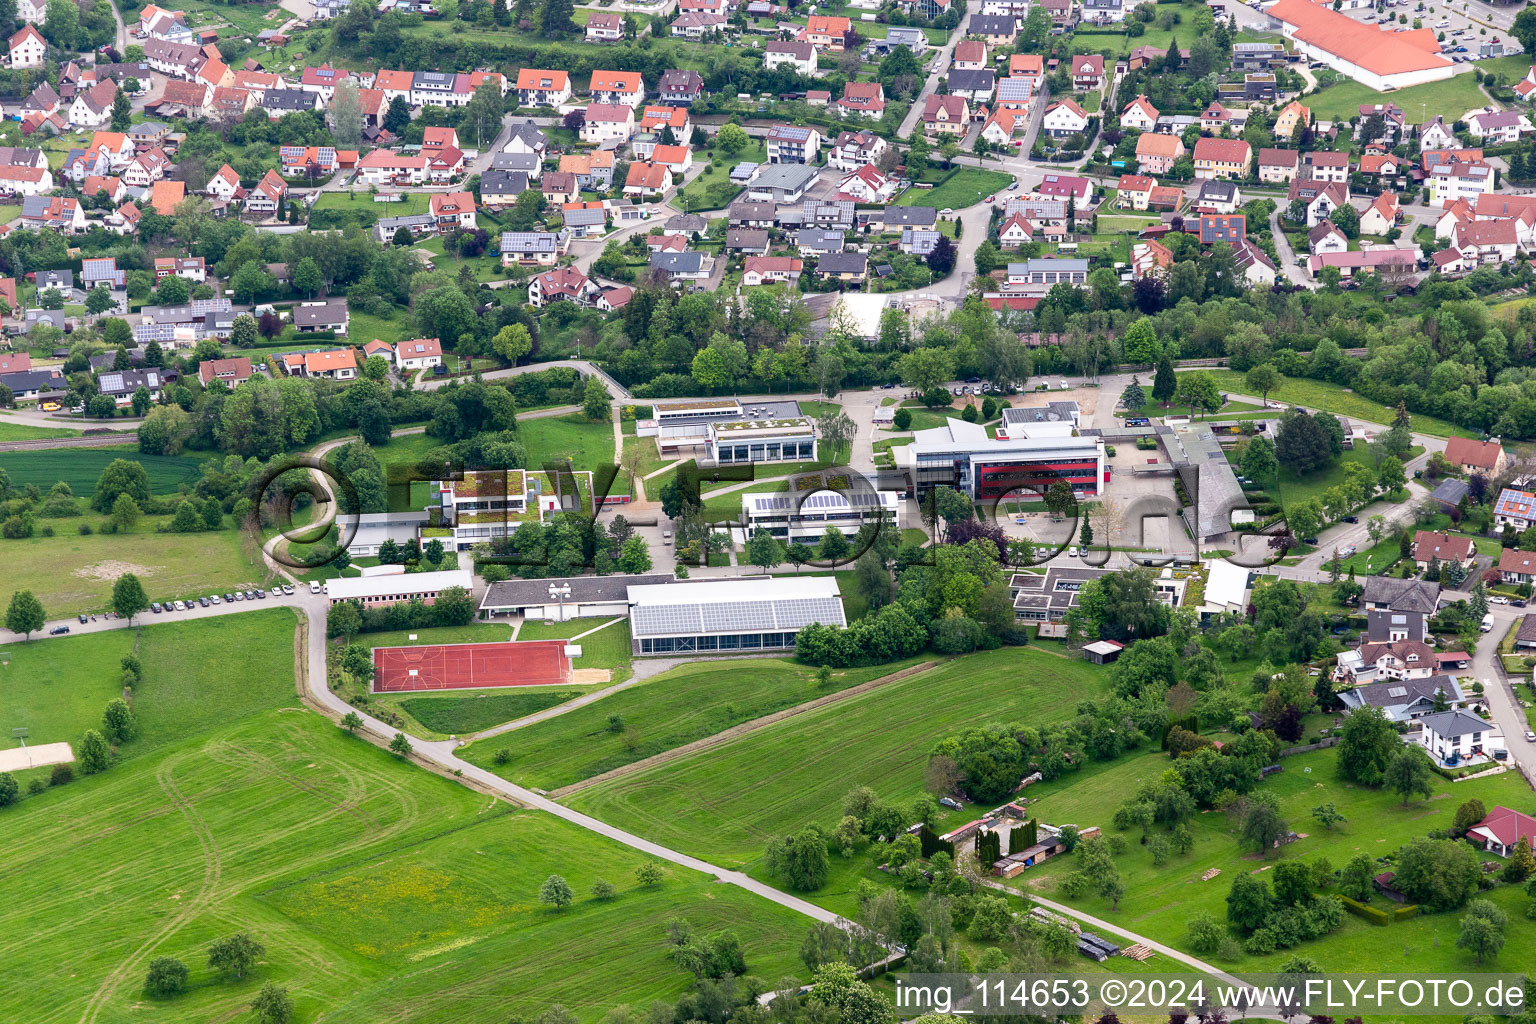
[[794, 517], [1034, 456], [752, 614], [561, 599], [376, 590]]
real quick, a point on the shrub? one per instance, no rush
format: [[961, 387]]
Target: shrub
[[903, 420], [63, 774], [1371, 914], [85, 529]]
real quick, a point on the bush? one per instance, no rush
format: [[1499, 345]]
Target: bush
[[85, 530], [1371, 914], [63, 774], [903, 420]]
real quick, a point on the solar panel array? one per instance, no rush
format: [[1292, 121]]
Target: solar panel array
[[767, 615], [820, 500]]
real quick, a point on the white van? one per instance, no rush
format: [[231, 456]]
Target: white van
[[1487, 625]]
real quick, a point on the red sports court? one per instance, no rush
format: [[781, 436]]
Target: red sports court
[[470, 666]]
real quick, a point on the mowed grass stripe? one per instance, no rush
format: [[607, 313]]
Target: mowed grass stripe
[[380, 891], [80, 468], [678, 707], [725, 803]]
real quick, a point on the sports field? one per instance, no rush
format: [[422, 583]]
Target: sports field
[[723, 804], [677, 707], [469, 666]]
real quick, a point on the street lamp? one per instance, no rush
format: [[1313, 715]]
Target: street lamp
[[561, 592]]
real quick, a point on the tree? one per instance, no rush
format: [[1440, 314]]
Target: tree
[[1482, 930], [120, 477], [1133, 398], [400, 746], [351, 722], [94, 755], [1248, 903], [1328, 816], [167, 977], [941, 259], [118, 722], [1524, 28], [1521, 864], [1263, 379], [1198, 390], [1468, 814], [764, 550], [1357, 877], [122, 111], [236, 954], [397, 116], [25, 614], [272, 1004], [556, 892], [1409, 773], [173, 291], [1263, 826], [1258, 458], [1439, 873], [128, 597], [1164, 382], [99, 300], [603, 891], [307, 277], [731, 138], [634, 556], [1346, 220], [801, 859], [511, 343], [1366, 746], [596, 402], [649, 874], [1302, 446]]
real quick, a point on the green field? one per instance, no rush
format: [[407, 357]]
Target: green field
[[965, 187], [57, 687], [572, 436], [380, 891], [608, 648], [80, 468], [694, 197], [1451, 97], [413, 203], [460, 716], [1294, 489], [70, 573], [1325, 397], [678, 707], [1159, 901], [12, 431], [725, 803]]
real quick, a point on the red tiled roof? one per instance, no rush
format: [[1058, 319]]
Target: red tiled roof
[[1464, 451], [1378, 51]]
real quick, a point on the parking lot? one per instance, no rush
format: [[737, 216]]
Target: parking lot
[[1466, 25]]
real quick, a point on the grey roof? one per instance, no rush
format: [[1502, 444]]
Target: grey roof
[[906, 37], [23, 381], [972, 81], [528, 163], [1402, 595], [911, 216], [678, 262], [126, 382], [1450, 491], [1399, 693], [920, 240], [1218, 190], [441, 80], [331, 311], [1055, 412], [992, 25], [503, 183], [1456, 723], [290, 99], [1014, 89], [584, 590], [688, 223], [843, 263], [46, 279], [686, 82], [820, 238], [746, 238], [529, 134], [585, 218], [785, 177]]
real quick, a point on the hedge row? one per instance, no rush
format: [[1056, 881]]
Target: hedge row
[[1369, 913]]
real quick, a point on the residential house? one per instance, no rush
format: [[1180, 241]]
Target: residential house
[[792, 144], [828, 33], [1156, 153], [1293, 115], [1218, 196], [1499, 127], [608, 122], [946, 115], [862, 99], [1326, 237], [593, 169], [1451, 737], [1322, 165], [120, 385], [1430, 546], [799, 57], [325, 315], [386, 167], [92, 108], [1320, 198], [540, 88], [232, 372], [562, 284], [1383, 166], [997, 30], [585, 220], [1139, 114], [1064, 118], [852, 150], [1502, 831], [697, 25], [1016, 230], [1087, 72], [683, 266], [334, 364], [52, 213], [559, 187], [1472, 457], [676, 159], [604, 27], [1003, 126], [453, 211], [1516, 566], [419, 354], [624, 87], [1015, 94], [1401, 700], [1389, 263], [1436, 135], [1228, 228], [866, 185], [27, 49], [970, 55], [845, 267], [679, 88], [975, 87], [656, 120], [1103, 12], [1258, 269], [1064, 187], [188, 268], [759, 270], [1222, 158], [268, 194], [646, 179], [1029, 66], [1487, 242], [528, 140]]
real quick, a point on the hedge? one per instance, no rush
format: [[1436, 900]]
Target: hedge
[[1404, 913], [1369, 913]]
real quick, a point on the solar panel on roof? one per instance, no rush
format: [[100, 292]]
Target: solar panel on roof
[[737, 615]]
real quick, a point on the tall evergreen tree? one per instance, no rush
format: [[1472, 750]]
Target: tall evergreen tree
[[1164, 384]]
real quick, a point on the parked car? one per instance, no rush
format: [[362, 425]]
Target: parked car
[[314, 588], [203, 601], [287, 589], [215, 599], [155, 607], [83, 619], [1351, 519], [1497, 599], [181, 606], [229, 598], [57, 630], [1530, 736]]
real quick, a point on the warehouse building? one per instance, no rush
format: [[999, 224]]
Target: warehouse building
[[754, 614], [1379, 58]]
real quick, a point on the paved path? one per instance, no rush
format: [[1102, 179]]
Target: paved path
[[1503, 705], [1286, 254], [616, 389]]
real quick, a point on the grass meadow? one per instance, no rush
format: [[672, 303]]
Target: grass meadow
[[13, 431], [965, 187], [587, 444], [725, 803], [71, 573], [380, 891], [1319, 395], [608, 648], [1160, 901], [678, 707]]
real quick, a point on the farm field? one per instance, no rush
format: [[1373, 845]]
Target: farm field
[[965, 187], [572, 436], [725, 803], [379, 891], [80, 468], [678, 707], [1318, 395], [70, 573], [1160, 901]]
